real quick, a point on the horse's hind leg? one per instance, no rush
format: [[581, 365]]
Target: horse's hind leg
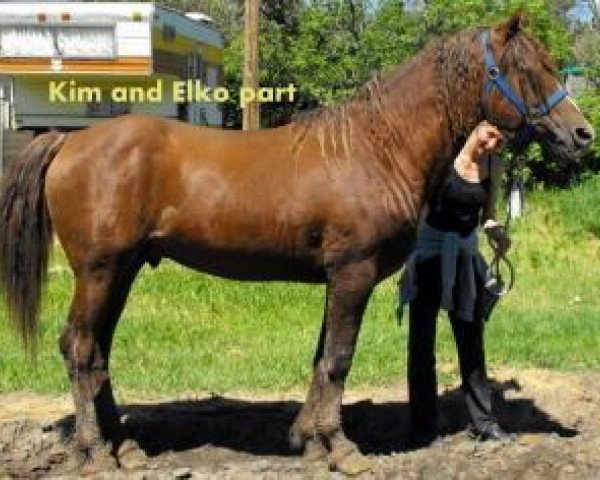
[[348, 293], [100, 292]]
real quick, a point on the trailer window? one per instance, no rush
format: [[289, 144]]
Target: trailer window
[[57, 42], [26, 42], [85, 42]]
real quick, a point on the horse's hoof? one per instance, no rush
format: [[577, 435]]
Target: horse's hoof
[[314, 451], [298, 436], [350, 463], [295, 438], [131, 456], [98, 459]]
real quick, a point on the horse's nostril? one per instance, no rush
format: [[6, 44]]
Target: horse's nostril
[[583, 135]]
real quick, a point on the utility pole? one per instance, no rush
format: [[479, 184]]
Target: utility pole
[[251, 114], [595, 8]]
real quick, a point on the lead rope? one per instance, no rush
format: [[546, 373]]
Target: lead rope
[[495, 283]]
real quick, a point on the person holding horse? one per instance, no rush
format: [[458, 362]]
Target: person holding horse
[[446, 270]]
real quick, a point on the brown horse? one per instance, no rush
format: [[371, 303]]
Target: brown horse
[[333, 197]]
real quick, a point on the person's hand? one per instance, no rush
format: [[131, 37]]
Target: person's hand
[[498, 237]]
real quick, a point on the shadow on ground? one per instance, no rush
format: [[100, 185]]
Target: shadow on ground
[[262, 427]]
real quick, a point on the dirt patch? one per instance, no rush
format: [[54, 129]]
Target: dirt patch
[[555, 415]]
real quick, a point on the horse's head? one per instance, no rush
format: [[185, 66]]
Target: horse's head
[[523, 95]]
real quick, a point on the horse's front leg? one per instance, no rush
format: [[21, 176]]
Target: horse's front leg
[[303, 433], [349, 289]]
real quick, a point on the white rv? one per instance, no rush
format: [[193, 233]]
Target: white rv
[[101, 45]]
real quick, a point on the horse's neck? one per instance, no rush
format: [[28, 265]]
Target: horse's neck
[[418, 136]]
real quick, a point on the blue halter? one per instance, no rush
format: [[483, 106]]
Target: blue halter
[[495, 79]]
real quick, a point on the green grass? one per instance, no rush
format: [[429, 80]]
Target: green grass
[[183, 331]]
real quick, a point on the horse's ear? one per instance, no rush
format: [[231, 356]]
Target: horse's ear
[[507, 30]]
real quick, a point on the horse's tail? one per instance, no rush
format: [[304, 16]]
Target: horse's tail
[[26, 233]]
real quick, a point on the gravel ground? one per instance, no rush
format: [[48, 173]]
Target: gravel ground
[[555, 416]]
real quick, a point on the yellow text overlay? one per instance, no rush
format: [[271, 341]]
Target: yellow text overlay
[[182, 91]]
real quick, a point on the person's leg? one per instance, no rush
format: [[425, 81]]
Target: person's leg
[[469, 337], [469, 342], [422, 383]]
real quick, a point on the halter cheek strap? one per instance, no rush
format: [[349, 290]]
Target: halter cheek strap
[[496, 80]]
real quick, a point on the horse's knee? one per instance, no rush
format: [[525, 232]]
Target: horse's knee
[[338, 366]]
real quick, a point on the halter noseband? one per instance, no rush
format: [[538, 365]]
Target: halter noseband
[[495, 79]]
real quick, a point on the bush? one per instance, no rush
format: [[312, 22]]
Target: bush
[[590, 104]]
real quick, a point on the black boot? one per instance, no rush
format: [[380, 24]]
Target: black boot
[[489, 431]]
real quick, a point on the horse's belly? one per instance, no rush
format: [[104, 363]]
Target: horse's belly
[[239, 265]]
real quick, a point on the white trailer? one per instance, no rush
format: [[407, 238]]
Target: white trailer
[[102, 45]]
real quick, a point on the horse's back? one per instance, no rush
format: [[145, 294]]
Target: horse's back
[[192, 192]]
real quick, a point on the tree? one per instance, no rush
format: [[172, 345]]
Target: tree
[[594, 6], [282, 12], [227, 14], [323, 54], [545, 19], [390, 37], [587, 52], [315, 47]]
